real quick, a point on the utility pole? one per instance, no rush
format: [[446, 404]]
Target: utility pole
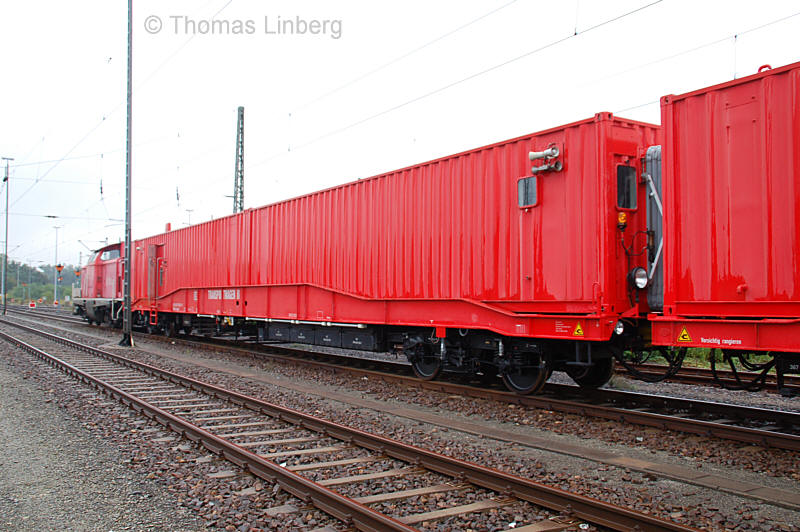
[[127, 336], [55, 269], [5, 255], [238, 176]]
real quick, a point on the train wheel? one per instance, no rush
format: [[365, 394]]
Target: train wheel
[[526, 373], [425, 362], [592, 376]]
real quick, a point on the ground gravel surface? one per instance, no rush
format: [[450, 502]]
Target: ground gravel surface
[[697, 449], [683, 503], [56, 475], [129, 478]]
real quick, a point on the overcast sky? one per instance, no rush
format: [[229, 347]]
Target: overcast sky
[[377, 86]]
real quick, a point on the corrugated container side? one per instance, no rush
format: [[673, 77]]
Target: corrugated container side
[[732, 187], [449, 229]]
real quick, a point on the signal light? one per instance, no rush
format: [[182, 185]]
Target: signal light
[[59, 267], [622, 220]]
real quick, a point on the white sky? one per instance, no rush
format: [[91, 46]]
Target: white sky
[[62, 95]]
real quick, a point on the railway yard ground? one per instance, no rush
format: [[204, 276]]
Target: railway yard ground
[[78, 459]]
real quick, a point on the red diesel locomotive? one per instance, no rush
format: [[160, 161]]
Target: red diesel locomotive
[[552, 251]]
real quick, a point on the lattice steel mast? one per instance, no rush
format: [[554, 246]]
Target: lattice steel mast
[[238, 178]]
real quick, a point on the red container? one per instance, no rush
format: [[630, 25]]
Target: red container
[[444, 243], [732, 213]]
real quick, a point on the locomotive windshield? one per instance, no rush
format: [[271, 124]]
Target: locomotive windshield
[[110, 254]]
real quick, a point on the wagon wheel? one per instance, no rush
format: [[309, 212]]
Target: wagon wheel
[[425, 362], [593, 376], [526, 373], [743, 359], [632, 359]]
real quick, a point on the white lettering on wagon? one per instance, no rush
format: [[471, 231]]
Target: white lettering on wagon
[[215, 294], [720, 341], [230, 293]]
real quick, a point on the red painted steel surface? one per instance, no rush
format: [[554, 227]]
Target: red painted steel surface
[[732, 210], [102, 278], [773, 334], [732, 183], [442, 243]]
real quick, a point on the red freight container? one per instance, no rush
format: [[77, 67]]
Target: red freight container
[[732, 218], [473, 240]]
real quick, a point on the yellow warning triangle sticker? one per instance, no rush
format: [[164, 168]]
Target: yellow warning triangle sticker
[[684, 336], [578, 330]]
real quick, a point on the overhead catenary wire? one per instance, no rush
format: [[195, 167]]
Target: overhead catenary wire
[[282, 153], [56, 162], [62, 217], [452, 84], [708, 44], [399, 58], [190, 193]]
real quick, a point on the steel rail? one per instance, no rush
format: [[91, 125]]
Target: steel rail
[[686, 375], [592, 510], [343, 508], [600, 403], [704, 376]]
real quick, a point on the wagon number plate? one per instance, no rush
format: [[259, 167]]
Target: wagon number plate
[[789, 366]]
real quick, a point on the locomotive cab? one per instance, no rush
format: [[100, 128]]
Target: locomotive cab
[[101, 286]]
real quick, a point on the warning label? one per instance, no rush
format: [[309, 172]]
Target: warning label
[[578, 331], [684, 336]]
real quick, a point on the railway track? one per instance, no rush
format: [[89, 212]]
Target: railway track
[[758, 426], [705, 377], [686, 375], [314, 459]]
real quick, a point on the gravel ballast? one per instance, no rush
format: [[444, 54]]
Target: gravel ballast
[[683, 503], [56, 475]]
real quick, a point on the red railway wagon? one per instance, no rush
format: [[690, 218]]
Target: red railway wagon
[[732, 223], [511, 259]]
